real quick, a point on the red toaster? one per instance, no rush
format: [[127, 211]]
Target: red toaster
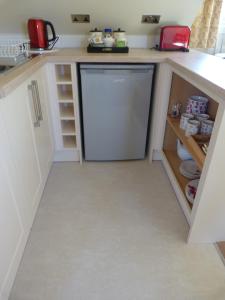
[[175, 38]]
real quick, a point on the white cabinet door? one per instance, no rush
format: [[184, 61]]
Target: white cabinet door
[[12, 233], [42, 132], [24, 166]]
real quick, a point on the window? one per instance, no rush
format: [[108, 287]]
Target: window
[[220, 45]]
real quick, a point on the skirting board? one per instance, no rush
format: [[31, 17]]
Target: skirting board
[[156, 155], [179, 193], [66, 155], [221, 252]]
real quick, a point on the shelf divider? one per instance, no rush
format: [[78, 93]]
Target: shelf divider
[[188, 141]]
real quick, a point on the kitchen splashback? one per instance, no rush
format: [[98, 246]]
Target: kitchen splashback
[[125, 14], [76, 40]]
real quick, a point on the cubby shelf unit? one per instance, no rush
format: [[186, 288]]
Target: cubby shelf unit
[[63, 74], [66, 105], [181, 90], [66, 111]]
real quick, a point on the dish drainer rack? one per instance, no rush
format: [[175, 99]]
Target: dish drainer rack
[[13, 52]]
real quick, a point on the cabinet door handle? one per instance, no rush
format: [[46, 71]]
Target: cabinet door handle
[[33, 97], [35, 84]]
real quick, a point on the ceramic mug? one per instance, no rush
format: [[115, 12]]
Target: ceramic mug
[[202, 117], [184, 120], [207, 127], [197, 105], [192, 127]]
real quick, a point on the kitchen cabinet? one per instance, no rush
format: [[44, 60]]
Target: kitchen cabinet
[[24, 170], [42, 130], [64, 102], [206, 215], [26, 152], [11, 228]]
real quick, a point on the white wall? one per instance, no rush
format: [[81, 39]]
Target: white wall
[[116, 13]]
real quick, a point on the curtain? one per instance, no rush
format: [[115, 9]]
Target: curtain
[[205, 27]]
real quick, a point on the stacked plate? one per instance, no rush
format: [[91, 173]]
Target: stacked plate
[[191, 190], [189, 169]]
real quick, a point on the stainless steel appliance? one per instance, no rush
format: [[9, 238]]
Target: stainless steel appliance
[[115, 106]]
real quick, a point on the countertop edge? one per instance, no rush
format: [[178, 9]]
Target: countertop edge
[[11, 81]]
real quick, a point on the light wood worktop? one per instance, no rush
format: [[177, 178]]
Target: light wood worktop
[[207, 69]]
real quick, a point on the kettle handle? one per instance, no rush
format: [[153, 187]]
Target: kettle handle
[[47, 23]]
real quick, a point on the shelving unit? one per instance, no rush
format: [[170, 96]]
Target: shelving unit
[[63, 73], [181, 90], [69, 142], [65, 104], [68, 127], [175, 162], [65, 92], [66, 111], [189, 142]]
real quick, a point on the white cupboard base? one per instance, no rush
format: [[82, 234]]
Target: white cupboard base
[[66, 155]]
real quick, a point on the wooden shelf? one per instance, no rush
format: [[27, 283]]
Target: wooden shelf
[[189, 142], [63, 74], [68, 127], [65, 92], [66, 101], [66, 111], [175, 162], [69, 142]]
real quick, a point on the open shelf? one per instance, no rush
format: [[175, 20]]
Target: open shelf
[[175, 162], [69, 142], [181, 90], [63, 73], [68, 127], [189, 142], [66, 111], [65, 92]]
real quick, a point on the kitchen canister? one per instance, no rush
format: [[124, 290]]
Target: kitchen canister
[[207, 127], [197, 105], [184, 120], [96, 37], [192, 127], [120, 38]]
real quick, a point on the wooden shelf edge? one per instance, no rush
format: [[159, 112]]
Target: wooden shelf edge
[[66, 101], [174, 162], [66, 82], [185, 205], [189, 142]]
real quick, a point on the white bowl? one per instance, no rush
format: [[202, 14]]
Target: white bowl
[[182, 151]]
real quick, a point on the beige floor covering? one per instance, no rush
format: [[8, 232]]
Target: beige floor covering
[[114, 231]]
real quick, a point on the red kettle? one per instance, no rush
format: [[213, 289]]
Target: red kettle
[[38, 34]]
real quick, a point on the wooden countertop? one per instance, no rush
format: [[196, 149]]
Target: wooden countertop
[[206, 68]]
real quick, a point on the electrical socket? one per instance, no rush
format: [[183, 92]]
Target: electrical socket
[[150, 19], [80, 18]]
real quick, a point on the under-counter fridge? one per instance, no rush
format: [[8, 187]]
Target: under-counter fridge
[[115, 110]]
